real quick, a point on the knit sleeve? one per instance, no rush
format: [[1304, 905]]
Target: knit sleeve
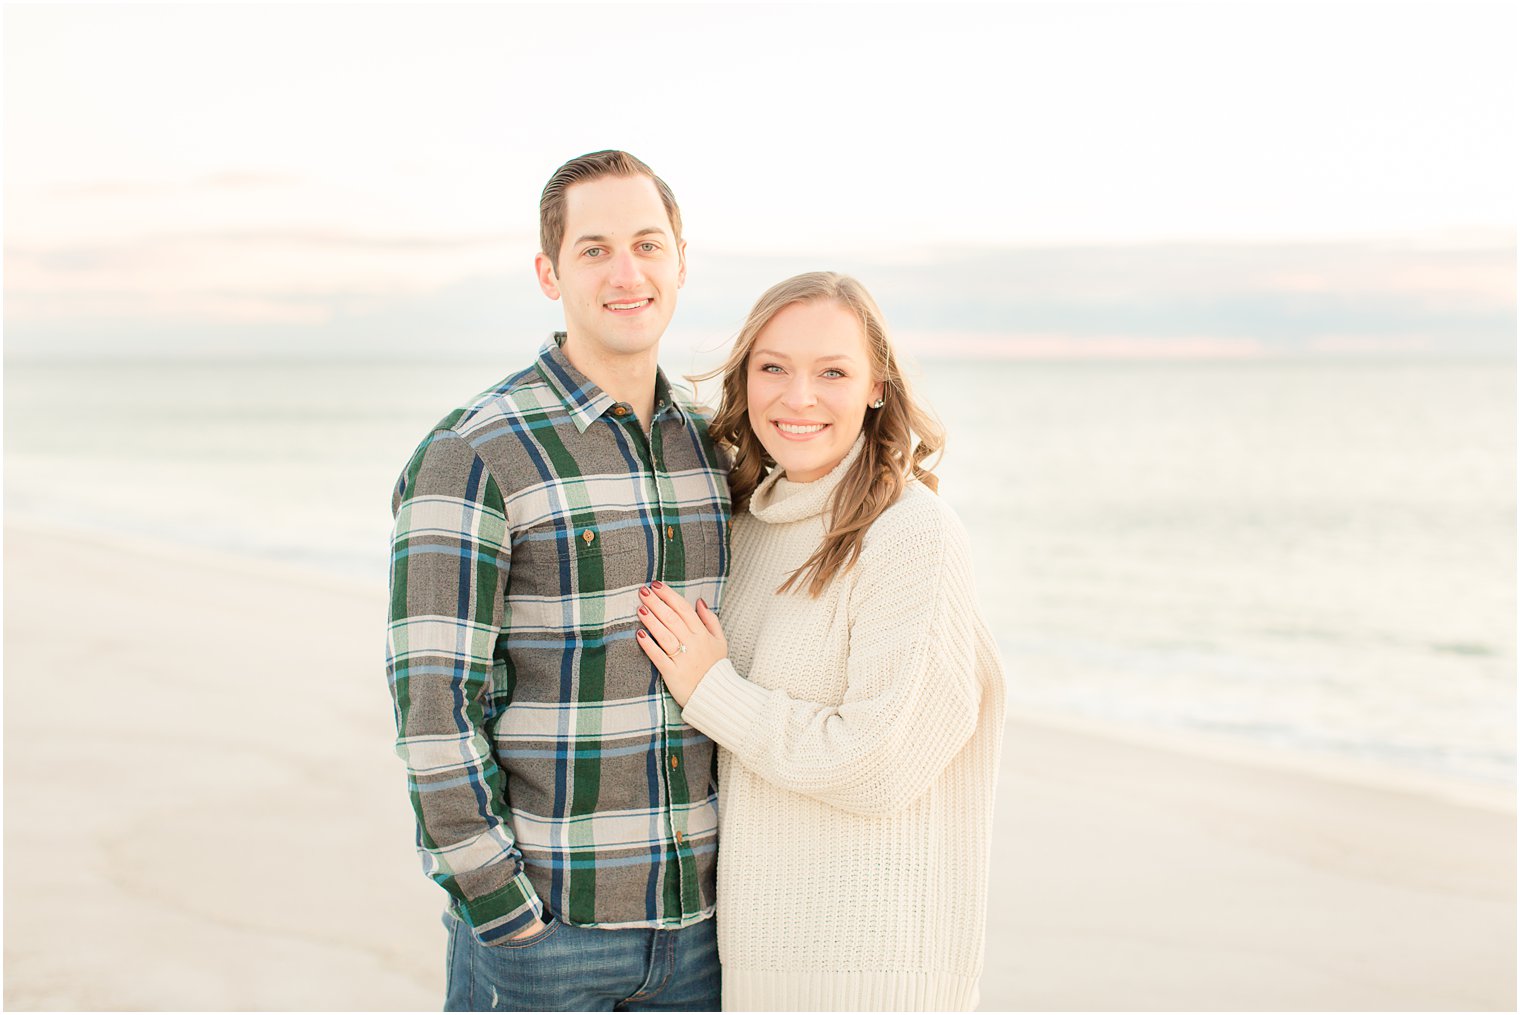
[[912, 694]]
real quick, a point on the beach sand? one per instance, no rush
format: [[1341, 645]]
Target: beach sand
[[203, 810]]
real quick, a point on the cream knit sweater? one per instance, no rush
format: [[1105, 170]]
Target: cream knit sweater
[[860, 733]]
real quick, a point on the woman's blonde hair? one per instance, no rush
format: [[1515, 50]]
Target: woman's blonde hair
[[899, 436]]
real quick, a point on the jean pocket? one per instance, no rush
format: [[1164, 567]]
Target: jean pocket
[[546, 932]]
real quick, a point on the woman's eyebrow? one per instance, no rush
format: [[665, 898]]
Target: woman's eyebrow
[[781, 355]]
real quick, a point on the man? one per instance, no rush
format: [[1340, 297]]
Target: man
[[560, 799]]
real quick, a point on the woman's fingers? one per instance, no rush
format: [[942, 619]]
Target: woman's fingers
[[680, 607], [654, 652], [666, 639], [657, 602], [681, 641], [709, 619]]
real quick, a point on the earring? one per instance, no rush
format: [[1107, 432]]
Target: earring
[[878, 403]]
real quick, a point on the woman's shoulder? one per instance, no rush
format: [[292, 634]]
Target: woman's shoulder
[[917, 543], [919, 516]]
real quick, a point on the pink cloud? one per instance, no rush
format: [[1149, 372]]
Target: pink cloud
[[1055, 346]]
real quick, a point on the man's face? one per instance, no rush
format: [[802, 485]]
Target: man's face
[[619, 267]]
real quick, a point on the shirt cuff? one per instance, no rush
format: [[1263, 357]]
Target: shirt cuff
[[725, 706], [508, 910]]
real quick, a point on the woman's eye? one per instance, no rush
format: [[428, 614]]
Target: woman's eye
[[766, 368], [833, 373]]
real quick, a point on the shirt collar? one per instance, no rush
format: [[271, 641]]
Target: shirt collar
[[585, 401]]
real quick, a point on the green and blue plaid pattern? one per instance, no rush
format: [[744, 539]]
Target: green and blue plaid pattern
[[548, 765]]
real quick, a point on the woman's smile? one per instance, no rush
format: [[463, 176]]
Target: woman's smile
[[793, 430]]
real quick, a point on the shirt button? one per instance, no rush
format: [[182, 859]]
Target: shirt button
[[679, 837], [588, 536], [620, 410], [675, 762], [670, 532]]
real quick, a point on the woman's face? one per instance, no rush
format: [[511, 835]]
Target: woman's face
[[809, 384]]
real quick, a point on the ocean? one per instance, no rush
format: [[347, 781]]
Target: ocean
[[1310, 556]]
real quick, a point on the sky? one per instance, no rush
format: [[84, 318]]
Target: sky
[[1024, 178]]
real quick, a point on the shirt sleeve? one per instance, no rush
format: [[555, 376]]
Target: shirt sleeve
[[450, 555], [913, 690]]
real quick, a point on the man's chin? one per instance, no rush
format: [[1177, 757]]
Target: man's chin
[[631, 338], [613, 338]]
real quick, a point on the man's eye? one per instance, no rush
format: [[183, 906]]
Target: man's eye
[[593, 251], [648, 248]]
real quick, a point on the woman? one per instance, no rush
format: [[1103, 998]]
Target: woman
[[853, 688]]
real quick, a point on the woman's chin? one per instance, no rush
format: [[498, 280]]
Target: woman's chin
[[807, 468]]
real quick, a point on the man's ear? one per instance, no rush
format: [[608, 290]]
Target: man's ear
[[547, 281], [681, 278]]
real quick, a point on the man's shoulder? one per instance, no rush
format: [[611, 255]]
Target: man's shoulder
[[506, 407], [517, 395]]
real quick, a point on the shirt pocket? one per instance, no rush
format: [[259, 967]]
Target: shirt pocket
[[587, 557], [610, 554], [705, 546]]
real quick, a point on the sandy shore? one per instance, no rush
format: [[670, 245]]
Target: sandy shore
[[202, 810]]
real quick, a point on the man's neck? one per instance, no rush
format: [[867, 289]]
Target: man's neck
[[627, 378]]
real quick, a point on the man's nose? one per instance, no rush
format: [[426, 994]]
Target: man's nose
[[626, 271]]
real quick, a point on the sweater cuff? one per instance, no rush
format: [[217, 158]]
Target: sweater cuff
[[725, 706]]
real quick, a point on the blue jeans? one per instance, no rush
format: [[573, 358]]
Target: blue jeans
[[569, 968]]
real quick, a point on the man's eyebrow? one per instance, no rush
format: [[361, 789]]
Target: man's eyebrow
[[598, 238]]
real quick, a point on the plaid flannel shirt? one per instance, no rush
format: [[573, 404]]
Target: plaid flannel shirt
[[547, 763]]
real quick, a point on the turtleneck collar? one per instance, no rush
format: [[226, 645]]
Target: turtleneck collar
[[778, 500]]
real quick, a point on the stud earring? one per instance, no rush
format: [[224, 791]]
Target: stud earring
[[878, 403]]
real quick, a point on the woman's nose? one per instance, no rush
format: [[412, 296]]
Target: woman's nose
[[799, 392]]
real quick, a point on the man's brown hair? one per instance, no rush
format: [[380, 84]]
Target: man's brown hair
[[551, 206]]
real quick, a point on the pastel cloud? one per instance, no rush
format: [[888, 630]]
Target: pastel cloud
[[331, 291]]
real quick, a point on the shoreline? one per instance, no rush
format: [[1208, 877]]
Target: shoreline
[[246, 839], [1304, 762]]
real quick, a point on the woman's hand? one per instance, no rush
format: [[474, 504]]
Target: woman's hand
[[682, 642]]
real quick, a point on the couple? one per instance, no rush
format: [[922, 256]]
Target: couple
[[572, 711]]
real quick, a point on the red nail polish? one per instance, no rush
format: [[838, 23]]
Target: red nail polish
[[644, 591], [642, 634], [659, 585], [643, 611]]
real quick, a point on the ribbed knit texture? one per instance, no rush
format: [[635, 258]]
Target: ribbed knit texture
[[859, 735]]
